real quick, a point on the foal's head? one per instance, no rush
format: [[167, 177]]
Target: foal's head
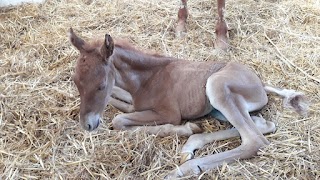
[[93, 77]]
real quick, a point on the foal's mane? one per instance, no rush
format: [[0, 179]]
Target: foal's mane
[[125, 44], [122, 44]]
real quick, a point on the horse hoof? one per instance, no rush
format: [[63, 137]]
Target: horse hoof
[[194, 128], [186, 156]]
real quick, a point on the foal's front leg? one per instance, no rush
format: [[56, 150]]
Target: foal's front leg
[[153, 123], [121, 105], [121, 94], [121, 100]]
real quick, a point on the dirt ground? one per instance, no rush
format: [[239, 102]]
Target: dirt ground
[[40, 136]]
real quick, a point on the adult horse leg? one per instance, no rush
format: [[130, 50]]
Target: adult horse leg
[[182, 19], [153, 123], [221, 41], [221, 28]]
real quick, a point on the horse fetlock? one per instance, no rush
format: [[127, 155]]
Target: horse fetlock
[[186, 169]]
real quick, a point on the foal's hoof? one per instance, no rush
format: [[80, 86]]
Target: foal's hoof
[[186, 156], [194, 128], [175, 174]]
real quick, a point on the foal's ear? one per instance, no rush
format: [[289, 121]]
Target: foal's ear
[[107, 47], [75, 40]]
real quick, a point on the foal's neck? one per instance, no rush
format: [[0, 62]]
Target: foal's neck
[[133, 68]]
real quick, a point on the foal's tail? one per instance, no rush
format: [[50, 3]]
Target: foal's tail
[[291, 99]]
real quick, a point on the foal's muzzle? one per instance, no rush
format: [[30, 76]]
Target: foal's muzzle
[[91, 121]]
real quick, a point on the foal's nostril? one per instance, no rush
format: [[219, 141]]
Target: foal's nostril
[[91, 122]]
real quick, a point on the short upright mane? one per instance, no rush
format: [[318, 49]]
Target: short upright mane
[[125, 44], [122, 44]]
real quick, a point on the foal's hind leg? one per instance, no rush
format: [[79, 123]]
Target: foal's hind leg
[[197, 141], [234, 96]]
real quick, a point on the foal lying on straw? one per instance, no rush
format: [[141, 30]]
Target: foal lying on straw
[[157, 92]]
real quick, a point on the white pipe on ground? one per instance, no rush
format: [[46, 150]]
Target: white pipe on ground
[[4, 3]]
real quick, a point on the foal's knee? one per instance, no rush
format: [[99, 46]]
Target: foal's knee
[[118, 122]]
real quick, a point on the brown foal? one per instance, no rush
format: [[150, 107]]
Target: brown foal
[[157, 92]]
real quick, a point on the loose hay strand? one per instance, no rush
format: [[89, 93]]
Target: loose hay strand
[[40, 137], [290, 63]]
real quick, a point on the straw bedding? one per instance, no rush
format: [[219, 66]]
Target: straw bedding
[[40, 137]]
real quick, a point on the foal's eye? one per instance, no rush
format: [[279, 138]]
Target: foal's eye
[[101, 87]]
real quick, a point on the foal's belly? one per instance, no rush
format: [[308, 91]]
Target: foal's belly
[[218, 115], [188, 84], [196, 109], [209, 110], [198, 105]]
